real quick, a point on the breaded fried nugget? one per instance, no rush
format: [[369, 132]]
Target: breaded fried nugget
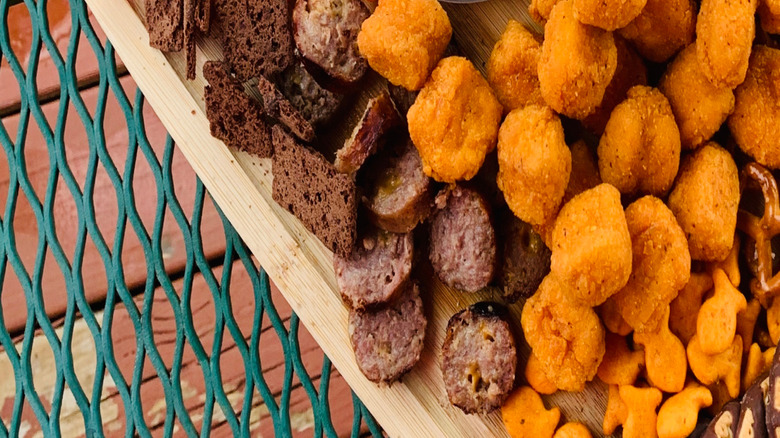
[[404, 39], [511, 69], [591, 246], [661, 263], [769, 15], [607, 14], [662, 29], [533, 163], [724, 37], [755, 123], [567, 338], [699, 107], [454, 121], [640, 148], [540, 9], [630, 71], [577, 63], [705, 199]]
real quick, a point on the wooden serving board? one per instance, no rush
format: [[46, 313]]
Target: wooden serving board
[[295, 259]]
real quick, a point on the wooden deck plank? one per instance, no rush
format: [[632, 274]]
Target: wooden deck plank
[[233, 374], [66, 215]]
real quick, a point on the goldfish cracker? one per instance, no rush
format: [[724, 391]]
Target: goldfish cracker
[[572, 430], [685, 308], [724, 38], [616, 412], [716, 323], [613, 320], [758, 362], [773, 321], [591, 246], [567, 338], [536, 378], [705, 200], [641, 404], [620, 365], [665, 357], [661, 264], [723, 366], [639, 151], [511, 69], [454, 121], [678, 415], [746, 323], [729, 265], [662, 29], [404, 39], [578, 61], [524, 415], [607, 14], [534, 163]]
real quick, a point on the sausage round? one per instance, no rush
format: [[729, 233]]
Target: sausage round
[[463, 241], [376, 270], [479, 358], [526, 259], [388, 342]]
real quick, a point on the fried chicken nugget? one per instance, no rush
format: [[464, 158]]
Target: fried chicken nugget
[[755, 123], [607, 14], [591, 246], [404, 39], [699, 107], [705, 199], [577, 63], [511, 69], [567, 338], [662, 29], [454, 121], [724, 38], [630, 71], [769, 15], [534, 163], [640, 148], [661, 264], [540, 9]]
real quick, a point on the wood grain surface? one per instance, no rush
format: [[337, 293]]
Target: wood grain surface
[[296, 261]]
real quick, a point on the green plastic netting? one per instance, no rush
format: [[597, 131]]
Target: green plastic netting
[[128, 223]]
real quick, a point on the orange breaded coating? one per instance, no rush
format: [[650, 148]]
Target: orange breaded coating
[[404, 39], [630, 71], [511, 69], [612, 319], [454, 121], [540, 9], [705, 199], [699, 107], [577, 63], [724, 37], [769, 15], [640, 148], [567, 338], [534, 163], [607, 14], [755, 123], [662, 29], [661, 263], [591, 245]]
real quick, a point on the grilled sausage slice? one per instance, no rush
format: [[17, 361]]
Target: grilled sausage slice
[[526, 259], [479, 358], [378, 119], [462, 250], [388, 342], [376, 270], [316, 104]]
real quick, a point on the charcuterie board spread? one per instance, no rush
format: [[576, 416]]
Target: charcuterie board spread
[[545, 219]]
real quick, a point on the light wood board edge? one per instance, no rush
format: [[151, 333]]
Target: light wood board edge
[[296, 261]]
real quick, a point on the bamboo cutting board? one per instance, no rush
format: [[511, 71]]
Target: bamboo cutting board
[[295, 260]]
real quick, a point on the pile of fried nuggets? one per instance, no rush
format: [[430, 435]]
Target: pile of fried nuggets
[[636, 295]]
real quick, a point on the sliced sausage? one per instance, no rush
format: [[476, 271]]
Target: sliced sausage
[[402, 98], [462, 250], [724, 425], [316, 104], [526, 259], [325, 33], [378, 119], [479, 358], [388, 342], [376, 270], [751, 413], [398, 193]]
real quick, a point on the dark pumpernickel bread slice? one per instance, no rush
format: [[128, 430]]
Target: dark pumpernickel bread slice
[[315, 103], [278, 107], [165, 23], [256, 36], [308, 186], [234, 117]]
